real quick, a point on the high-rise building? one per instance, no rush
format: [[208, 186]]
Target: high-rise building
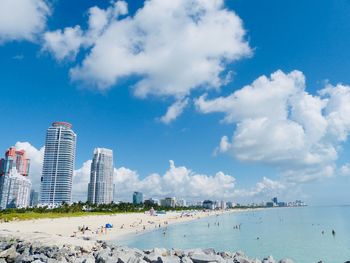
[[275, 201], [58, 166], [168, 202], [14, 183], [137, 198], [100, 188], [181, 203], [34, 198]]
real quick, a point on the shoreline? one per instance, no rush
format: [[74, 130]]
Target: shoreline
[[65, 230]]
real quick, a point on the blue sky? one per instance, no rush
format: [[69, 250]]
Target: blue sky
[[37, 89]]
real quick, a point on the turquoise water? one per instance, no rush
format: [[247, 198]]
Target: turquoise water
[[295, 233]]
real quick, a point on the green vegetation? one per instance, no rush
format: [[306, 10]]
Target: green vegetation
[[79, 209]]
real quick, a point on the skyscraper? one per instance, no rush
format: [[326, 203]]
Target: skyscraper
[[100, 189], [14, 184], [137, 198], [58, 166]]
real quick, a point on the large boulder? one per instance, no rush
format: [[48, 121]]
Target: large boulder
[[9, 254], [24, 258], [286, 260], [269, 259], [204, 258]]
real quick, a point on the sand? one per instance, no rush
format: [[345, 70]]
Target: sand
[[61, 231]]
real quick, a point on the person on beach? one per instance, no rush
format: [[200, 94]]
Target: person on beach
[[333, 233]]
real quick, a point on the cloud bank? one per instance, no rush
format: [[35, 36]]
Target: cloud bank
[[279, 123], [178, 181], [22, 19], [170, 47]]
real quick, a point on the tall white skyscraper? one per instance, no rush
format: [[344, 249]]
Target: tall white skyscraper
[[58, 167], [100, 189]]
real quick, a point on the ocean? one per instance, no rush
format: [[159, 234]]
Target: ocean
[[303, 234]]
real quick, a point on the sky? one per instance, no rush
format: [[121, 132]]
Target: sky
[[237, 100]]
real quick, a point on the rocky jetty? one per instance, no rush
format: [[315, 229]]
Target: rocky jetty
[[18, 250]]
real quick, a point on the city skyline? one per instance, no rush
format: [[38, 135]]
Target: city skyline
[[250, 104]]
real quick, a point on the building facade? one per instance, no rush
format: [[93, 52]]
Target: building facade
[[101, 188], [34, 198], [137, 198], [14, 183], [168, 202], [58, 166]]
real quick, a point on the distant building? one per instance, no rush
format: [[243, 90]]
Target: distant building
[[14, 183], [275, 201], [137, 198], [100, 188], [168, 202], [223, 205], [58, 166], [152, 201], [34, 198], [269, 204], [230, 205], [208, 204], [181, 203]]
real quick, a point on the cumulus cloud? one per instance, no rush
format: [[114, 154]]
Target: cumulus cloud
[[81, 178], [36, 157], [179, 181], [264, 189], [174, 111], [279, 123], [345, 170], [172, 47], [22, 19]]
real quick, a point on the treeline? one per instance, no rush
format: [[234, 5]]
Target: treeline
[[87, 207]]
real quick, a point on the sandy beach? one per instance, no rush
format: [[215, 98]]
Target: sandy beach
[[61, 231]]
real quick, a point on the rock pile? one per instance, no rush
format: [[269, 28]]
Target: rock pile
[[19, 251]]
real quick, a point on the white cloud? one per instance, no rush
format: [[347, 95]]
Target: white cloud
[[264, 189], [22, 19], [177, 181], [279, 123], [36, 157], [65, 43], [173, 47], [81, 178], [345, 170], [174, 111]]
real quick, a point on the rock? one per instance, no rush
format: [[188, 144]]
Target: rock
[[203, 258], [161, 252], [269, 259], [10, 254], [24, 259], [2, 260], [186, 260], [103, 255], [178, 253], [225, 255], [129, 257], [286, 260], [170, 259], [209, 251], [88, 259], [242, 259], [152, 257]]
